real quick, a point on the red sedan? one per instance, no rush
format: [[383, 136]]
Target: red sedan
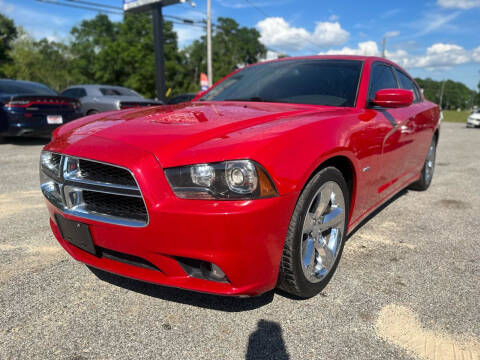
[[253, 185]]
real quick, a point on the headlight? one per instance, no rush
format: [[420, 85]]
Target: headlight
[[237, 179], [50, 163], [49, 171]]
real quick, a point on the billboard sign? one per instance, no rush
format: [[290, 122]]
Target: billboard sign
[[140, 5]]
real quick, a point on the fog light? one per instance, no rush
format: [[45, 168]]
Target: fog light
[[217, 273]]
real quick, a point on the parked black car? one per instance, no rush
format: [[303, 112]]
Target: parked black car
[[181, 98], [33, 109]]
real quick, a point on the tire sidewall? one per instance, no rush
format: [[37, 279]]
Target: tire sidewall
[[307, 288]]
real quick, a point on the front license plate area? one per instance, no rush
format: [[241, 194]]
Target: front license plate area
[[54, 119], [76, 233]]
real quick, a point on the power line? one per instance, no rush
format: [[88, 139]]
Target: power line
[[96, 4], [93, 7], [54, 2], [257, 8]]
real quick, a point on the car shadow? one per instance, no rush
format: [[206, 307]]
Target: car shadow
[[378, 211], [266, 342], [217, 302], [208, 301], [26, 141]]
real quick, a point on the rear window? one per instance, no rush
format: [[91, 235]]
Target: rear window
[[407, 83], [314, 82], [20, 88], [117, 92]]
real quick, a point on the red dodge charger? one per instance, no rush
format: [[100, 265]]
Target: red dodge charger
[[254, 184]]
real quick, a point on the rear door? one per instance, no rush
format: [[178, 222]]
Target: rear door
[[418, 126]]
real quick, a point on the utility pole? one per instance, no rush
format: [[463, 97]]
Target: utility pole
[[384, 46], [442, 89], [156, 7], [209, 43], [159, 53]]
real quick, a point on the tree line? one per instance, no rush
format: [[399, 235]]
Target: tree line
[[456, 95], [101, 51], [121, 53]]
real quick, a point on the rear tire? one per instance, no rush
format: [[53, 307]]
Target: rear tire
[[310, 258], [428, 169], [92, 112]]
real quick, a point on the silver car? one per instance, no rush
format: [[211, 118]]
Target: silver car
[[99, 98]]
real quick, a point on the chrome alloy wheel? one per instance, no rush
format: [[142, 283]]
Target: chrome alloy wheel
[[430, 163], [322, 232]]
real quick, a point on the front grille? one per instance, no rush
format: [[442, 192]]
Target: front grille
[[115, 205], [99, 172], [96, 191]]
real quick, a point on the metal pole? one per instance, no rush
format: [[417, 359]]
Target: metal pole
[[159, 55], [442, 89], [209, 43], [384, 45]]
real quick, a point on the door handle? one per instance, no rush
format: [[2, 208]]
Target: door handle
[[405, 129]]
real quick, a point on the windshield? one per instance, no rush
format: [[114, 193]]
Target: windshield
[[20, 88], [314, 82], [118, 91]]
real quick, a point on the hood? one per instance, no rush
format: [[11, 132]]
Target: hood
[[167, 131]]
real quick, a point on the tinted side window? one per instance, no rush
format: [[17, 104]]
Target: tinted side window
[[69, 93], [381, 77], [81, 93], [407, 83]]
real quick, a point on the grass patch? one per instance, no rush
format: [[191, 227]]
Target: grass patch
[[455, 116]]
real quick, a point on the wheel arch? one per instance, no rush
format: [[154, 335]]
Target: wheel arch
[[346, 166]]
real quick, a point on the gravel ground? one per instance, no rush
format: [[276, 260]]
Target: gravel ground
[[407, 286]]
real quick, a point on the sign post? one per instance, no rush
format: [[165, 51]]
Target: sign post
[[155, 6]]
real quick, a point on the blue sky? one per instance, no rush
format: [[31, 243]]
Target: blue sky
[[434, 38]]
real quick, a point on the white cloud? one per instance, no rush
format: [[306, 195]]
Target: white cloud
[[476, 55], [435, 21], [392, 34], [441, 55], [187, 34], [438, 55], [278, 33], [333, 17], [459, 4], [366, 48]]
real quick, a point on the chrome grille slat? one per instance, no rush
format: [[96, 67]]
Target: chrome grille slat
[[118, 200]]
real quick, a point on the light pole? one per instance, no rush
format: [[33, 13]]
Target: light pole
[[156, 7], [209, 43]]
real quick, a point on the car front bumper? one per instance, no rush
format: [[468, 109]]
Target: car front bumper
[[473, 123], [244, 238]]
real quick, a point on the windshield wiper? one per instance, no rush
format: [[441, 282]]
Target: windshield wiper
[[254, 99]]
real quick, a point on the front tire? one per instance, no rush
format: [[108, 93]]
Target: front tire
[[428, 169], [316, 235]]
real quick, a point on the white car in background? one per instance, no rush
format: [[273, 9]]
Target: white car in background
[[474, 119]]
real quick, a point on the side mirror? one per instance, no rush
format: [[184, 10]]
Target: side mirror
[[393, 98]]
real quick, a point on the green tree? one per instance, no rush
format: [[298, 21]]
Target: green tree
[[123, 54], [8, 33], [233, 47], [90, 39], [42, 61], [456, 94]]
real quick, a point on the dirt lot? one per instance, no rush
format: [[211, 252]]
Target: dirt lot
[[407, 286]]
